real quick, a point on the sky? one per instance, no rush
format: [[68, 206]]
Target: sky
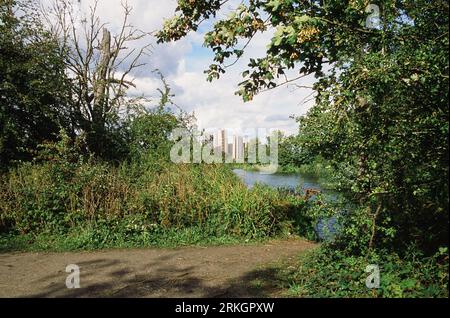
[[182, 63]]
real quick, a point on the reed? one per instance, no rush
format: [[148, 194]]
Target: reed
[[103, 205]]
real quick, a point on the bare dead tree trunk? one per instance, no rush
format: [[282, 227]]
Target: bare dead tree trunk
[[101, 80], [100, 99], [101, 74]]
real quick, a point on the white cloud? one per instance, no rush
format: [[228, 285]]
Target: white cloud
[[183, 62]]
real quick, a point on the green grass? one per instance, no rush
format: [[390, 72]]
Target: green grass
[[89, 239], [72, 206], [325, 273]]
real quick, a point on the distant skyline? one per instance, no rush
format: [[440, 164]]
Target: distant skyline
[[183, 62], [233, 147]]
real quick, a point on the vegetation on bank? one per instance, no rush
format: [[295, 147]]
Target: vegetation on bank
[[84, 165], [329, 273], [321, 273], [88, 166], [67, 202], [380, 120], [318, 168]]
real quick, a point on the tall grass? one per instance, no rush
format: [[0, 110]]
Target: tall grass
[[94, 205]]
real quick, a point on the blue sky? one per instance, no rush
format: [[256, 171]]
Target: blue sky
[[183, 62]]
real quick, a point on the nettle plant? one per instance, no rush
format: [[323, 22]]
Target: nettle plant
[[381, 113]]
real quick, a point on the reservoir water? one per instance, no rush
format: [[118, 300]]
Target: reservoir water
[[291, 181], [325, 228]]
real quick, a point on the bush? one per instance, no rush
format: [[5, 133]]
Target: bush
[[98, 202], [327, 272]]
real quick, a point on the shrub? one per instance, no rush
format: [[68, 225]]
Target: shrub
[[121, 204], [327, 272]]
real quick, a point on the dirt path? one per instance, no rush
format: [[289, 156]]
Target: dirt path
[[224, 271]]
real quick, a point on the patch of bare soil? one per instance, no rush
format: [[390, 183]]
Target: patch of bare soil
[[216, 271]]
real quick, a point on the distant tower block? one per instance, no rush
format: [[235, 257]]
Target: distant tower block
[[238, 148], [220, 142]]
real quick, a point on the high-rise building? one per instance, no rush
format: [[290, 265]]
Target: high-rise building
[[234, 150], [221, 142], [238, 148]]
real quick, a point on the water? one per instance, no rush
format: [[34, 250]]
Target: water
[[291, 181], [325, 228]]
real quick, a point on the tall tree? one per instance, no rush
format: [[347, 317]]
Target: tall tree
[[100, 66]]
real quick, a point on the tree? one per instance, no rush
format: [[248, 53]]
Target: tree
[[290, 153], [381, 113], [150, 130], [34, 94], [100, 67], [309, 34]]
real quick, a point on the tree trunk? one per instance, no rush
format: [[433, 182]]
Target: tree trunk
[[100, 95]]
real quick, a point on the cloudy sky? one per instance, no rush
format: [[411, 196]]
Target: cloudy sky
[[183, 62]]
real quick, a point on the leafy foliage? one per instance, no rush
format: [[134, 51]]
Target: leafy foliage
[[384, 119], [34, 95], [381, 114], [324, 273], [128, 203]]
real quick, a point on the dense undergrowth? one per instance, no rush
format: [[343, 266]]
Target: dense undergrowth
[[377, 133], [327, 272], [87, 205]]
